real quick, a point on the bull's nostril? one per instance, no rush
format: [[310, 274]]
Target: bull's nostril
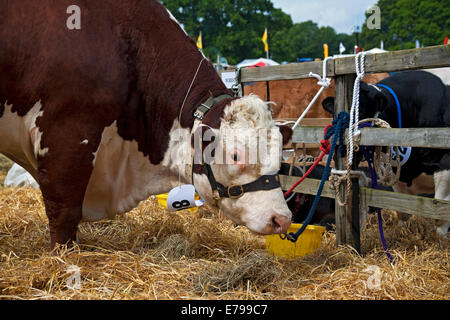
[[276, 224], [280, 224]]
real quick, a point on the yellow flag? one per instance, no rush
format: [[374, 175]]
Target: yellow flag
[[199, 42], [325, 50], [265, 41]]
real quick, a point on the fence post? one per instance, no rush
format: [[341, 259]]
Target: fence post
[[347, 218]]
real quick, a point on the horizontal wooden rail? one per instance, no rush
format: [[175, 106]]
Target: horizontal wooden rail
[[413, 59], [420, 206], [285, 72], [308, 122], [411, 137], [308, 186], [424, 58]]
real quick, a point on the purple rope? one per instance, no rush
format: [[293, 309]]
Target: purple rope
[[368, 154]]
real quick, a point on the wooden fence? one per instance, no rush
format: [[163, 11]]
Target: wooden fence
[[343, 72]]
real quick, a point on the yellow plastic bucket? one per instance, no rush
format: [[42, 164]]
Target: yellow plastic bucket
[[308, 242], [162, 201]]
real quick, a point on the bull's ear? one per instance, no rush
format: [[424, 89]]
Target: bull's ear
[[287, 133], [328, 105], [370, 90], [375, 96]]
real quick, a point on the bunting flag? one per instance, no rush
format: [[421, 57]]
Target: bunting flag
[[341, 48], [200, 42], [264, 39], [325, 50], [446, 40]]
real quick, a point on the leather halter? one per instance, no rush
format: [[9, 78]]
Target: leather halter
[[265, 182]]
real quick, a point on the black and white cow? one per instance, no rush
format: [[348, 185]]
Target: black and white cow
[[424, 103]]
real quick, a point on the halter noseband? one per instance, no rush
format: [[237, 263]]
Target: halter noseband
[[266, 182]]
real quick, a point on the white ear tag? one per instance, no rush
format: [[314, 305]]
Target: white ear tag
[[404, 154], [182, 198]]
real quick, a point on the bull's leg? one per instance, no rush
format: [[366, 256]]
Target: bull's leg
[[442, 187], [63, 178], [63, 222]]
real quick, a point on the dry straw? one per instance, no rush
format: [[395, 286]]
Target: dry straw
[[150, 253]]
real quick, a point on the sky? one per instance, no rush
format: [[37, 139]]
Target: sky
[[342, 15]]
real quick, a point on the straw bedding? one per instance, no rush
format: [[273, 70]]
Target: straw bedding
[[150, 253]]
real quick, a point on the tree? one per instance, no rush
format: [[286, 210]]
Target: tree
[[405, 21], [233, 28]]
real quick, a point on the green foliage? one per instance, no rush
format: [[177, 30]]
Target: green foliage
[[405, 21], [233, 28]]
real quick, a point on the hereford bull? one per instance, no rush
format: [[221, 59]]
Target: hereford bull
[[92, 113], [423, 101]]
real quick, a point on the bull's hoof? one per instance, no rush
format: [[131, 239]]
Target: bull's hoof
[[61, 249]]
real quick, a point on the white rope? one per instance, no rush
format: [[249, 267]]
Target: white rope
[[324, 82], [188, 171], [354, 131], [189, 90]]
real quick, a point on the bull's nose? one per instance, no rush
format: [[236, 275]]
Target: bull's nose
[[280, 223]]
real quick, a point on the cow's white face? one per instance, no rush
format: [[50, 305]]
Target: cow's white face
[[249, 145]]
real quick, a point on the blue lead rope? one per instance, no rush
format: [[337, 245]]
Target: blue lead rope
[[369, 154], [397, 102], [337, 129]]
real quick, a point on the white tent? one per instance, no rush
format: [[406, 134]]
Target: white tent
[[252, 62], [375, 50]]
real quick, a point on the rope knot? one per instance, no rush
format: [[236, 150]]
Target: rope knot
[[325, 146]]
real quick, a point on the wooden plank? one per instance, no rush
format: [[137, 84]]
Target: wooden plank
[[307, 145], [420, 206], [410, 137], [354, 208], [345, 231], [285, 72], [308, 186], [308, 135], [424, 58], [308, 122], [430, 57]]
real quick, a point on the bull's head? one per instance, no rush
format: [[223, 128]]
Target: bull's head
[[240, 166]]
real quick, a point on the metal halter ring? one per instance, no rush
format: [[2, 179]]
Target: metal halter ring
[[235, 196]]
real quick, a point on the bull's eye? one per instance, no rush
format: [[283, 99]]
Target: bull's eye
[[235, 157]]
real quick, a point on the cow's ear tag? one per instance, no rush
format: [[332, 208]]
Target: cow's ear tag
[[182, 198]]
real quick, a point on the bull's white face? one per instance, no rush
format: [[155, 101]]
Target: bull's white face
[[249, 145]]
